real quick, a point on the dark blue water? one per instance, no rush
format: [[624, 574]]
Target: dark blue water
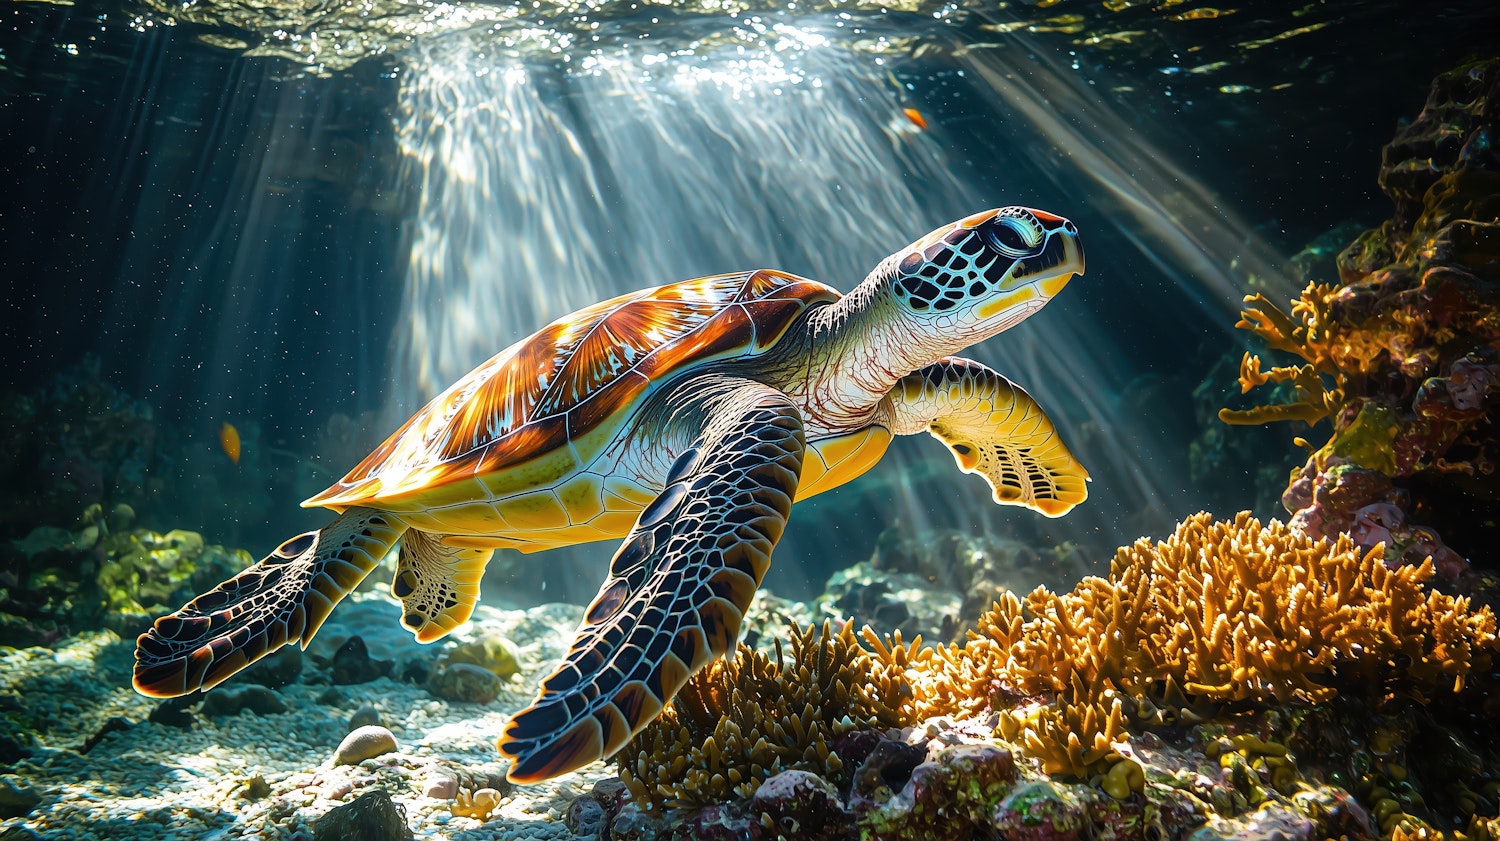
[[231, 236]]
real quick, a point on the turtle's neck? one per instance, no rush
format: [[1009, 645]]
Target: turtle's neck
[[856, 349]]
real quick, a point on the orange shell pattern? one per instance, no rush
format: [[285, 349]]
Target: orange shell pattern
[[570, 378]]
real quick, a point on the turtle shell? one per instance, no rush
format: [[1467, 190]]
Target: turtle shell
[[570, 386]]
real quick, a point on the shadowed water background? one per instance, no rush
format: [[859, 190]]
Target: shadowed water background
[[310, 221]]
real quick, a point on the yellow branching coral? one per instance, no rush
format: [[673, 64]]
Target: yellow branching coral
[[1308, 334], [744, 719], [1238, 611], [1224, 611], [1221, 611], [1068, 738]]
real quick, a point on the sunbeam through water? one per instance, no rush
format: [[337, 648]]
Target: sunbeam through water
[[547, 186]]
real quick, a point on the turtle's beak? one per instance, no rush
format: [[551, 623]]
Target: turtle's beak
[[1059, 260], [1069, 250], [1075, 246]]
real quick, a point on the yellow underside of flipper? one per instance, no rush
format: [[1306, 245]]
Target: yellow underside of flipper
[[831, 462]]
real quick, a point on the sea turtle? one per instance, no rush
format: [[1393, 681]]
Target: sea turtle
[[686, 418]]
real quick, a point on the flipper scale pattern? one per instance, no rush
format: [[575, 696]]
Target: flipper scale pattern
[[284, 597], [677, 591], [993, 428]]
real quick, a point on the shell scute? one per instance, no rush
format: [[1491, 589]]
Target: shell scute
[[482, 517], [582, 497], [539, 511], [592, 412], [567, 383]]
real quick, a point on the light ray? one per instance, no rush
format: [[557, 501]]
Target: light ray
[[545, 190]]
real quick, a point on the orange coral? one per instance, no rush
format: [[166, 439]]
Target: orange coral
[[1240, 611], [743, 719], [1308, 333], [1221, 611], [1225, 611], [1067, 737]]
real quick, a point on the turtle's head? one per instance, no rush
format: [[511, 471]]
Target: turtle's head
[[984, 274]]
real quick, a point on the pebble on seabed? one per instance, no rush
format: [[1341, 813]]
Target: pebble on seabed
[[363, 716], [364, 743]]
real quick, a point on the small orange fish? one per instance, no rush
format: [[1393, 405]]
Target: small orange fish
[[229, 439], [916, 118]]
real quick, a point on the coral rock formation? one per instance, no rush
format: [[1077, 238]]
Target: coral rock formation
[[1401, 353], [1230, 638], [102, 573]]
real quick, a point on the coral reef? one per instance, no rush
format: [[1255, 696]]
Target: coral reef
[[1400, 354], [1180, 689], [951, 796], [74, 443], [746, 718], [80, 444], [1235, 611], [1219, 612]]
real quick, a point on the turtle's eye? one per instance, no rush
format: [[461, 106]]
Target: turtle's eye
[[1011, 235]]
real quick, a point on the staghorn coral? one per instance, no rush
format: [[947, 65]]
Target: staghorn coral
[[1220, 611], [1069, 738], [1229, 637], [1307, 333], [1401, 352], [744, 719], [1236, 611]]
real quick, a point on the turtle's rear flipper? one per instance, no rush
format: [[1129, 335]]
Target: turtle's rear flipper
[[438, 585], [283, 598], [677, 588], [994, 428]]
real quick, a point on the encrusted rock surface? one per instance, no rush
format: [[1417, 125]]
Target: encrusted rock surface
[[1401, 348]]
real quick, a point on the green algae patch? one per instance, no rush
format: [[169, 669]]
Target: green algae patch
[[1367, 440]]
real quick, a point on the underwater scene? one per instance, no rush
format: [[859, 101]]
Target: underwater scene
[[1033, 420]]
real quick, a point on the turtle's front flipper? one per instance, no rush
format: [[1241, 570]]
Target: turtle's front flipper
[[677, 588], [995, 429], [283, 598]]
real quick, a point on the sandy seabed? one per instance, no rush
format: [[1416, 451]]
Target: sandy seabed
[[155, 781]]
